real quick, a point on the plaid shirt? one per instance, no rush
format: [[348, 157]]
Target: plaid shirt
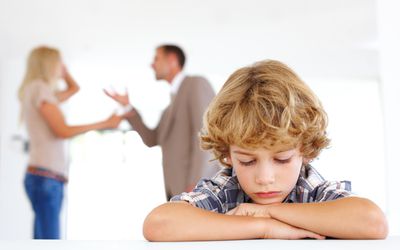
[[223, 193]]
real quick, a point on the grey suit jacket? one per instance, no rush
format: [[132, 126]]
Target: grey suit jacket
[[177, 133]]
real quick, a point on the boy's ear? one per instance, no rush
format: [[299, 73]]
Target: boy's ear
[[306, 161], [228, 160]]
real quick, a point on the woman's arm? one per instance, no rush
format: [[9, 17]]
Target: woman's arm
[[72, 86], [346, 218], [180, 221], [55, 120]]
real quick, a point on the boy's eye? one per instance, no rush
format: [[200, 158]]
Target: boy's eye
[[247, 163], [283, 161]]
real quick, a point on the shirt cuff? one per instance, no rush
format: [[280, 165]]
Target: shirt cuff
[[122, 110]]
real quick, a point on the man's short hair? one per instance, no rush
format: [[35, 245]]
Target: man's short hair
[[265, 105], [178, 52]]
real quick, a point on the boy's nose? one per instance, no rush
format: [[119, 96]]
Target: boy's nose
[[265, 175]]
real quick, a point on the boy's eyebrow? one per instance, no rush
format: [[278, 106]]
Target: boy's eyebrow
[[242, 152], [251, 154], [285, 151]]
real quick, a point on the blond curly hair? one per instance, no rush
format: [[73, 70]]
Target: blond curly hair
[[265, 105]]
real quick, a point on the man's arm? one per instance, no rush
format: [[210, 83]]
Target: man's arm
[[149, 136], [346, 218], [180, 221]]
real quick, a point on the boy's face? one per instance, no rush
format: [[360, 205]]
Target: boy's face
[[267, 177]]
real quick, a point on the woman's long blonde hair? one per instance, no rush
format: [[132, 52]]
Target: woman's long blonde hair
[[41, 65]]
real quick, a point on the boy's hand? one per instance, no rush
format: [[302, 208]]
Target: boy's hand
[[250, 209], [278, 230], [274, 229]]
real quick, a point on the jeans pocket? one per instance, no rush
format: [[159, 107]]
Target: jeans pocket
[[52, 189], [42, 189]]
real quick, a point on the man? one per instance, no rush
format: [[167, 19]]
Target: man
[[177, 133]]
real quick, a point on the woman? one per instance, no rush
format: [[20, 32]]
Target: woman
[[47, 170]]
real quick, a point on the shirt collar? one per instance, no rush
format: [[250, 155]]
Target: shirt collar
[[176, 82], [302, 183]]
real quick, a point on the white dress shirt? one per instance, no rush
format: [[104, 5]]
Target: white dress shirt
[[176, 83]]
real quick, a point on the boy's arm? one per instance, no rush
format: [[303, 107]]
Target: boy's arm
[[346, 218], [180, 221], [350, 217]]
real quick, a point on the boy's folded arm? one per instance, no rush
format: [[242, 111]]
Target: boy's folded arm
[[350, 217], [180, 221]]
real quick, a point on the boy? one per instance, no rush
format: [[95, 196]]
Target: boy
[[265, 126]]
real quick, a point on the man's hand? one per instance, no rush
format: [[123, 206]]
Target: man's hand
[[250, 209], [279, 230], [121, 99]]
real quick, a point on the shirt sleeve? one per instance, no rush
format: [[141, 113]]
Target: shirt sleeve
[[331, 190], [205, 195], [217, 194], [43, 93]]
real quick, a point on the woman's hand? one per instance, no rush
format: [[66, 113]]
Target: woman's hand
[[72, 85], [113, 121], [64, 71]]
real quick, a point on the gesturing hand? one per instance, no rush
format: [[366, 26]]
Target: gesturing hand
[[250, 209], [121, 99], [113, 121], [64, 71]]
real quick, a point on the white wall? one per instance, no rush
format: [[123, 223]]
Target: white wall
[[389, 40], [14, 207], [331, 44]]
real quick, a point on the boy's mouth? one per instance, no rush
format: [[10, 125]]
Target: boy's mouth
[[268, 194]]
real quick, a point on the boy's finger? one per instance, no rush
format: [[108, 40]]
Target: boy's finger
[[314, 235]]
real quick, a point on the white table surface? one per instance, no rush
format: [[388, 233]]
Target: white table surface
[[390, 243]]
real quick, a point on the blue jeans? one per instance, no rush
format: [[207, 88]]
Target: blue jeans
[[45, 195]]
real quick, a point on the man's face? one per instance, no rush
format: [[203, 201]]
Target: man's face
[[161, 64], [267, 177]]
